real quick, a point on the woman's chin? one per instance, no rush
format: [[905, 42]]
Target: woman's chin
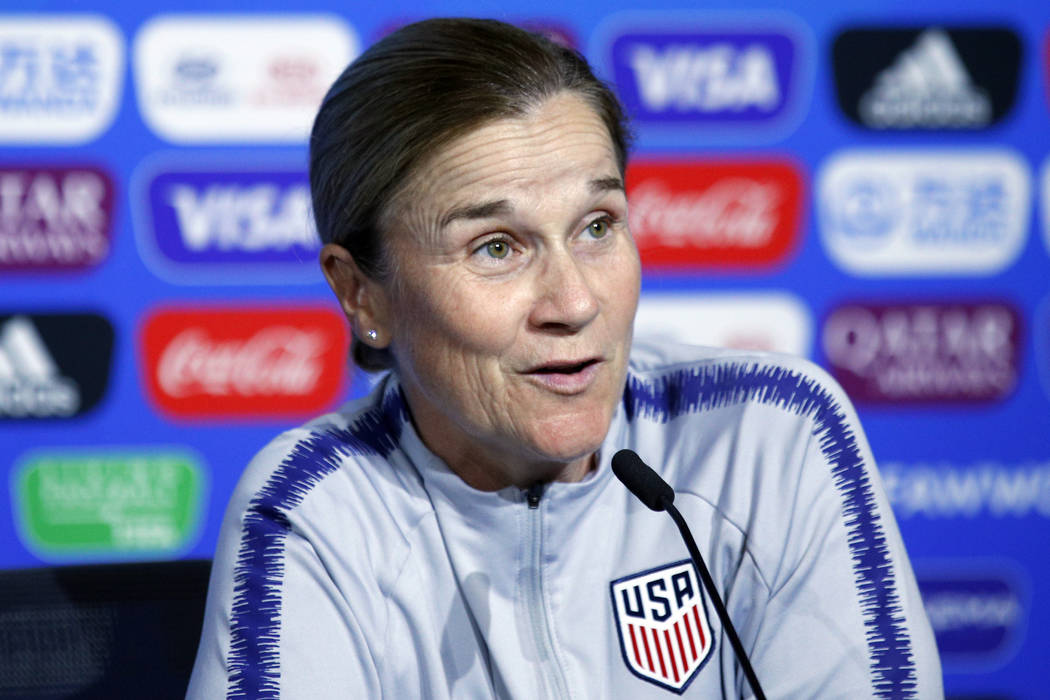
[[569, 440]]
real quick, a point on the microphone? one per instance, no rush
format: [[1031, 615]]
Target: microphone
[[650, 488], [641, 480]]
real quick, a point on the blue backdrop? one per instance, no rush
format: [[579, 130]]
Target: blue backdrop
[[864, 184]]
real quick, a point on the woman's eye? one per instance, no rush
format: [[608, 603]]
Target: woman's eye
[[497, 249], [598, 228]]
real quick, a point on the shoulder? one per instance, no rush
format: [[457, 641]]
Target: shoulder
[[725, 423], [669, 379], [298, 460], [343, 469], [313, 535]]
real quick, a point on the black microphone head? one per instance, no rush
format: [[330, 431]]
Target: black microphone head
[[641, 480]]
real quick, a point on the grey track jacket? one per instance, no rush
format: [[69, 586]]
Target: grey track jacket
[[353, 564]]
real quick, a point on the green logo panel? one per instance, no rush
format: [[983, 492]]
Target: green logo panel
[[78, 504]]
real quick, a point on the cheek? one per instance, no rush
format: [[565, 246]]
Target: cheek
[[454, 325], [624, 287]]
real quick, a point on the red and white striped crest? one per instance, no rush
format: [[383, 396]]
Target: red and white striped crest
[[662, 621]]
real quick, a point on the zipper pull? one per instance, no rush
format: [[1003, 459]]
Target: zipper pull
[[534, 494]]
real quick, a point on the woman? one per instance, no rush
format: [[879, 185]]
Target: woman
[[458, 533]]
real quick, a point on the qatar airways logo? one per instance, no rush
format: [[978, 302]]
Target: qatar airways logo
[[243, 362], [54, 217], [692, 72], [965, 352], [714, 213], [232, 226]]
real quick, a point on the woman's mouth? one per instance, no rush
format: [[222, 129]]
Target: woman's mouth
[[568, 377]]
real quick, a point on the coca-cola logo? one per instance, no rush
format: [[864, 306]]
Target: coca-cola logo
[[714, 213], [244, 362]]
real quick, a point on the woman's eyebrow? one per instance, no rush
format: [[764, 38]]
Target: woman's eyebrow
[[605, 184], [476, 211], [501, 206]]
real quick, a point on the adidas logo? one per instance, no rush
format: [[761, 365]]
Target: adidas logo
[[30, 382], [927, 86]]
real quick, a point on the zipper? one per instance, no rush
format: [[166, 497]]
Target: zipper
[[533, 495], [552, 673]]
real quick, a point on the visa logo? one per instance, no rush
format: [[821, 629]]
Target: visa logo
[[231, 217], [228, 226], [706, 79], [728, 77]]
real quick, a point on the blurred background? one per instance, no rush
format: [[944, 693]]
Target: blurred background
[[864, 184]]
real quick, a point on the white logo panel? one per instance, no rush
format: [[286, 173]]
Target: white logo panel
[[772, 321], [60, 78], [238, 78], [924, 212]]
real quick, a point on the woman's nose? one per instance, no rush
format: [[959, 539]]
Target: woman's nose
[[565, 294]]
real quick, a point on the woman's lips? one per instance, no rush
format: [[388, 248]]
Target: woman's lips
[[566, 377]]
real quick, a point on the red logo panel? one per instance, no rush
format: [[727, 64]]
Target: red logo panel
[[733, 214], [244, 362]]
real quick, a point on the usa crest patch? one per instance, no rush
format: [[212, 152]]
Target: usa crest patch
[[662, 621]]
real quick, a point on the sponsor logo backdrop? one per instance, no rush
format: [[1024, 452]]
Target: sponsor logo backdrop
[[868, 188]]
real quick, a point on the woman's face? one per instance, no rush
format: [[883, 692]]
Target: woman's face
[[513, 296]]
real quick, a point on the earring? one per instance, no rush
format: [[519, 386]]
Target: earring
[[372, 335]]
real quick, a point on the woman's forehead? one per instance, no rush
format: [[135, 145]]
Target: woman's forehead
[[562, 140]]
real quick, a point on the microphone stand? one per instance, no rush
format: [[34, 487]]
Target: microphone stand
[[716, 600], [650, 488]]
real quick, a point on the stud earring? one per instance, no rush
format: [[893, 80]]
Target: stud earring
[[372, 335]]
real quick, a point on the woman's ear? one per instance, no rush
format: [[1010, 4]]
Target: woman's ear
[[364, 300]]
